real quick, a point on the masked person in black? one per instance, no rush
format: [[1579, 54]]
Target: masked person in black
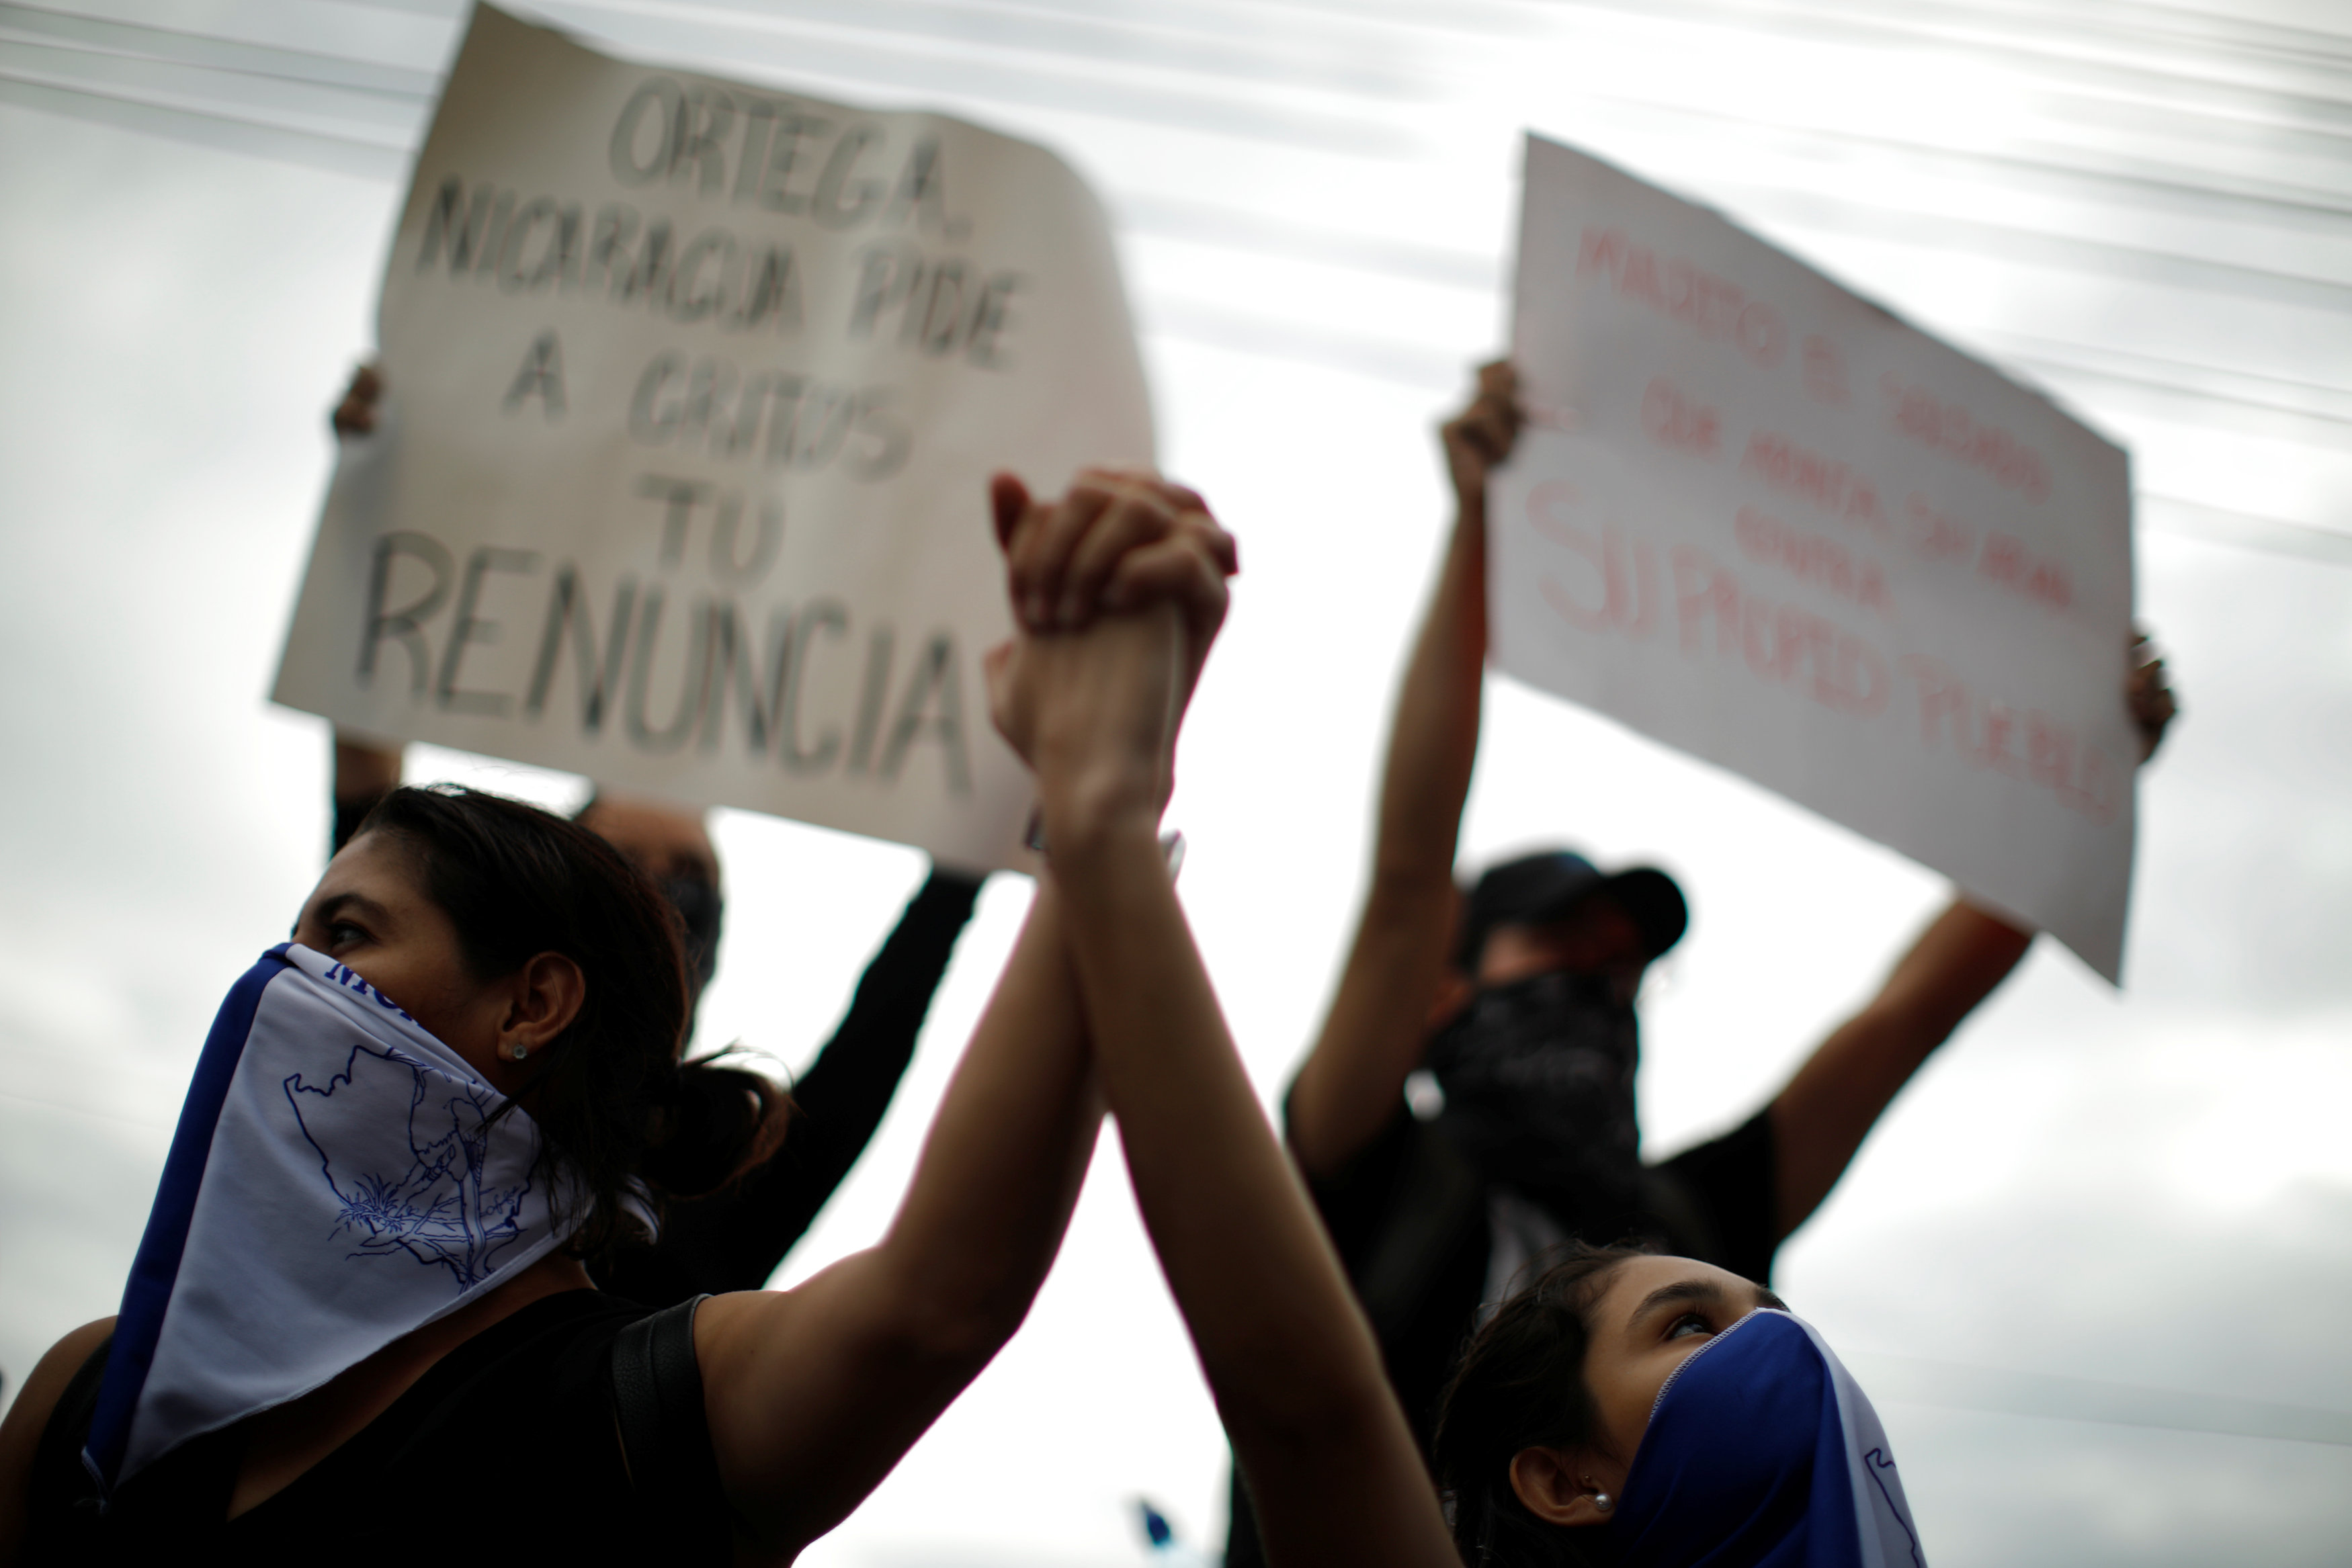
[[1470, 1100], [734, 1238]]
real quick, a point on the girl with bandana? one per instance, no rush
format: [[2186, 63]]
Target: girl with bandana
[[1625, 1409], [359, 1328]]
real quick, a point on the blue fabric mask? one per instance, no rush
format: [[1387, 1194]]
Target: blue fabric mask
[[1762, 1453], [340, 1178]]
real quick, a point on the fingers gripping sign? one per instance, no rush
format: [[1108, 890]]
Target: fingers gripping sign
[[356, 413], [2148, 695], [1479, 439]]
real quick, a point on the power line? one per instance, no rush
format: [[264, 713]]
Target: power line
[[1183, 222], [2245, 530], [1163, 42], [1081, 87], [2260, 199], [2127, 180], [1905, 30], [148, 41], [2007, 242], [2268, 385], [2272, 404], [1910, 1379], [206, 127]]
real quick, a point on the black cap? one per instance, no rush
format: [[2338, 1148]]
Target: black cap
[[1548, 884]]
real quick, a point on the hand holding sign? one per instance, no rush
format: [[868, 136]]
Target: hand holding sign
[[1479, 439], [1760, 518], [2148, 695]]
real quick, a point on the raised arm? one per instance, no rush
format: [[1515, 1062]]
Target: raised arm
[[735, 1240], [1371, 1039], [1286, 1352], [1820, 1120], [366, 770], [814, 1394]]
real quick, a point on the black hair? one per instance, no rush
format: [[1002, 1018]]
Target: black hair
[[615, 1103], [1520, 1384]]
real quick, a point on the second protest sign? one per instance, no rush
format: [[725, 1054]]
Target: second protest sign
[[1761, 520]]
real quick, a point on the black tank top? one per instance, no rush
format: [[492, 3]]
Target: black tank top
[[507, 1449]]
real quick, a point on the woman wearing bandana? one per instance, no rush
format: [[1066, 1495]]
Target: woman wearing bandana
[[735, 1239], [359, 1328], [1518, 1002]]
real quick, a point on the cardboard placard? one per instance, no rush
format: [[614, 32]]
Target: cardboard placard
[[694, 388], [1760, 518]]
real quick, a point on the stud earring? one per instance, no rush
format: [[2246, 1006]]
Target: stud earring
[[1601, 1499], [519, 1051]]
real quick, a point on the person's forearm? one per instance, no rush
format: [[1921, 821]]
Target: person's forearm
[[814, 1394], [364, 768], [365, 772], [1820, 1120], [1955, 962], [1001, 1168], [1434, 740], [1286, 1352], [1372, 1035]]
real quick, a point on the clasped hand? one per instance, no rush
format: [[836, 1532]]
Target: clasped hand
[[1117, 591]]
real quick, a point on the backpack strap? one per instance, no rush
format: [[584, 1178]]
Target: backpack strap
[[664, 1436]]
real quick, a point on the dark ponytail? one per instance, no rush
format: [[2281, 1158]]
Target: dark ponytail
[[614, 1101], [712, 1124], [1521, 1385]]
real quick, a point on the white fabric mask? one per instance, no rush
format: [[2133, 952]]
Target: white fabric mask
[[340, 1178]]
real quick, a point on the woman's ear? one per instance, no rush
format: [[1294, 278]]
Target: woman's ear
[[1556, 1485], [546, 994]]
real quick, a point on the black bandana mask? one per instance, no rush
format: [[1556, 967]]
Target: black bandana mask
[[1539, 1081]]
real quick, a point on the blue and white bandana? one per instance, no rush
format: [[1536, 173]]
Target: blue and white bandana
[[1763, 1452], [340, 1178]]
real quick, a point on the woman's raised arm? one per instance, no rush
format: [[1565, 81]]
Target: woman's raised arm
[[1287, 1353], [814, 1394], [1348, 1088]]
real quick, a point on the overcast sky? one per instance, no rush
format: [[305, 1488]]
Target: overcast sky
[[2147, 210]]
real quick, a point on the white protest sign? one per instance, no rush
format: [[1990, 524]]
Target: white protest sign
[[1758, 518], [694, 388]]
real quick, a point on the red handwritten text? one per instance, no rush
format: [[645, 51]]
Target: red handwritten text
[[1769, 542], [1673, 419], [1949, 428], [1626, 579], [1715, 308], [2007, 561], [1829, 485], [1936, 535], [1825, 370], [1781, 643], [2029, 745]]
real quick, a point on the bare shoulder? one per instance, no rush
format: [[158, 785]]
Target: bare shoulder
[[28, 1417], [737, 1320], [48, 1380]]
